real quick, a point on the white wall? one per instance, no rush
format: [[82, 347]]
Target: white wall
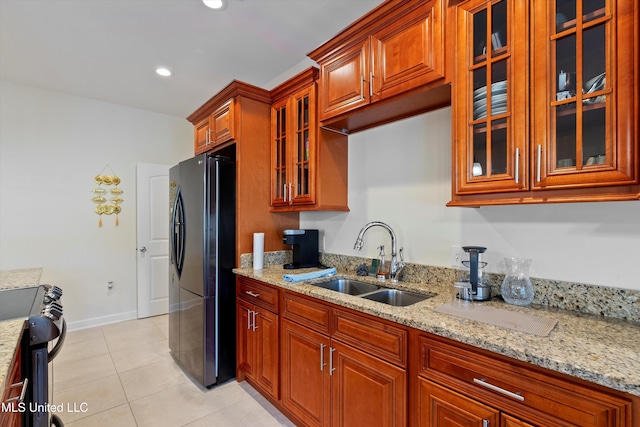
[[51, 147], [400, 174]]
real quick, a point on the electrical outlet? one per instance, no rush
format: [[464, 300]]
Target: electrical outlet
[[457, 256], [110, 286]]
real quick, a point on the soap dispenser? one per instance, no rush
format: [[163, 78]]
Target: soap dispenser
[[383, 265]]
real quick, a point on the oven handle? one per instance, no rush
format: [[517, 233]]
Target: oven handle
[[56, 348], [56, 421]]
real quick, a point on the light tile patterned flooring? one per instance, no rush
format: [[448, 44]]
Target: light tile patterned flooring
[[123, 375]]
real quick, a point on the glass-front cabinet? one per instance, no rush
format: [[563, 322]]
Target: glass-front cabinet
[[584, 93], [308, 164], [293, 145], [545, 101], [490, 96]]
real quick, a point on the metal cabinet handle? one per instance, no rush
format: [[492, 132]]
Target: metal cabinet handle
[[371, 83], [24, 384], [483, 382], [284, 192], [322, 362], [331, 368], [290, 190], [517, 165], [255, 324], [539, 162], [253, 294], [485, 423]]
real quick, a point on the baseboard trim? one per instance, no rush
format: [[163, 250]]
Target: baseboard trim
[[101, 321]]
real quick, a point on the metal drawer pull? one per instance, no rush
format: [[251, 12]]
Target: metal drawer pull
[[253, 294], [484, 383], [24, 384]]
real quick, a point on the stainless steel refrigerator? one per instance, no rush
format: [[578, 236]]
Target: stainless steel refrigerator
[[202, 286]]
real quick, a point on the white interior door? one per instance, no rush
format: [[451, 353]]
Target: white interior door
[[153, 239]]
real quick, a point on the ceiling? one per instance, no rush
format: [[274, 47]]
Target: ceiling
[[109, 49]]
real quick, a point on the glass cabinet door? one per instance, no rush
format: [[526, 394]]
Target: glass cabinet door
[[303, 132], [575, 98], [492, 85], [279, 177]]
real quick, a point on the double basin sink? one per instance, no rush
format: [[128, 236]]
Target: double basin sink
[[373, 292]]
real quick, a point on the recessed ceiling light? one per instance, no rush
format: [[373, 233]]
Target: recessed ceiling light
[[164, 72], [215, 4]]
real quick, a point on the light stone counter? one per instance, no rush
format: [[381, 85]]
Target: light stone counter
[[11, 330], [20, 278], [597, 349]]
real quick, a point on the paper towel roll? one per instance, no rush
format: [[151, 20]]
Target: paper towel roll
[[258, 251]]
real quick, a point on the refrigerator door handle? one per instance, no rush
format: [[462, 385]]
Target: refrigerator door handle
[[177, 233]]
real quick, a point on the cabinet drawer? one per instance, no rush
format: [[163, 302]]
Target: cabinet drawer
[[307, 312], [517, 389], [371, 335], [258, 293]]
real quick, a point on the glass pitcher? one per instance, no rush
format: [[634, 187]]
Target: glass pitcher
[[517, 288]]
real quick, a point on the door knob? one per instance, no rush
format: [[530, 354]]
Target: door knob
[[143, 249]]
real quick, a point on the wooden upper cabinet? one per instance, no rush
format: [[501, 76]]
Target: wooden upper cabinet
[[345, 81], [202, 135], [222, 125], [215, 129], [237, 121], [407, 53], [216, 122], [396, 49], [308, 165], [545, 102], [585, 91], [491, 97]]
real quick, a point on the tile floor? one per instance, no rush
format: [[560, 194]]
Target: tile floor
[[123, 375]]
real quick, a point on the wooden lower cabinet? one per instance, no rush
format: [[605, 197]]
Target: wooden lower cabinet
[[257, 346], [439, 406], [306, 390], [459, 385], [326, 382], [508, 421], [365, 390], [12, 417], [326, 365]]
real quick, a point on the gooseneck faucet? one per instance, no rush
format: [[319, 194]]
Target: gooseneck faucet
[[396, 266]]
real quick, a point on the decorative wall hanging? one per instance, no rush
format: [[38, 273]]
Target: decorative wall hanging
[[107, 206]]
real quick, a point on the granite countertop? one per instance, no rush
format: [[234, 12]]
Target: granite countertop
[[592, 348], [11, 330]]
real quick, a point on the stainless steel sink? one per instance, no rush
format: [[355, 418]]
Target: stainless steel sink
[[396, 297], [347, 286]]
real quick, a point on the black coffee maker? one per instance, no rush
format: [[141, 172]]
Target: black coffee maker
[[305, 248], [480, 291]]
